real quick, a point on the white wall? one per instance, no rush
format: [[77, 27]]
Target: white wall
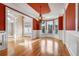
[[49, 34], [35, 34], [71, 39], [46, 34], [72, 42], [3, 40]]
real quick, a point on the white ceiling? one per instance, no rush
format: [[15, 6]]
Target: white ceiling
[[57, 9], [24, 8]]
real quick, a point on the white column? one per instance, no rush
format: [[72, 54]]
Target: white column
[[64, 25], [76, 18]]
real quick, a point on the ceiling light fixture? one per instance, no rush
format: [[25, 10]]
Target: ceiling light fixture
[[40, 16]]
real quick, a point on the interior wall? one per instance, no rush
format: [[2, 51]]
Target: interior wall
[[60, 23], [70, 17], [72, 42], [3, 40], [61, 27], [36, 29], [36, 25], [71, 35], [2, 17]]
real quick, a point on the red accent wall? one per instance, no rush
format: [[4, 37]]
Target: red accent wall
[[2, 17], [60, 23], [36, 25], [70, 17]]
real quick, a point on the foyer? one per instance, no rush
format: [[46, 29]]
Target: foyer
[[39, 29]]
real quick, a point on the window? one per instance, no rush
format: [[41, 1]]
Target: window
[[27, 24], [49, 26], [56, 26], [43, 25], [27, 27]]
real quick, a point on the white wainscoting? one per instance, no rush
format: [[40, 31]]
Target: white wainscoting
[[71, 39], [72, 42], [35, 34], [3, 40]]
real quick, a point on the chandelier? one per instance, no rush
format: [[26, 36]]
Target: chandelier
[[40, 16]]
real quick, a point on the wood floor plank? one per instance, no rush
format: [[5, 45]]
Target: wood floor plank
[[3, 52], [38, 47]]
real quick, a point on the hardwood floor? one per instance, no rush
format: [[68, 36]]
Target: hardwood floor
[[38, 47], [3, 52]]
